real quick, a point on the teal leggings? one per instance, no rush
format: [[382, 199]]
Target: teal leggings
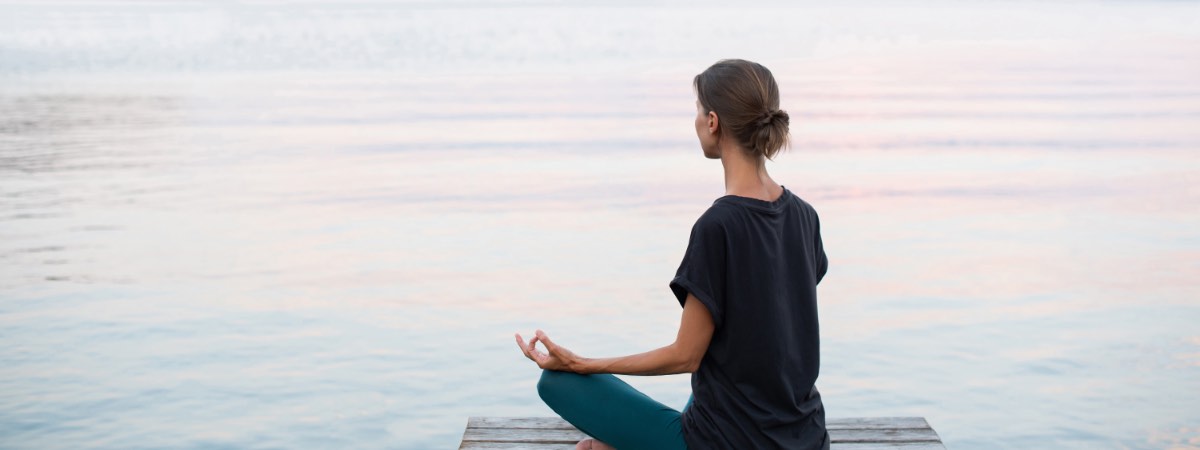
[[612, 411]]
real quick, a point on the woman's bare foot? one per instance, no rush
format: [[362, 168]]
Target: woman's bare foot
[[592, 444]]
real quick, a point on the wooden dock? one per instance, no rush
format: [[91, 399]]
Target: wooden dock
[[553, 433]]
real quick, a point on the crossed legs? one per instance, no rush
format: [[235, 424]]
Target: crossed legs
[[612, 411]]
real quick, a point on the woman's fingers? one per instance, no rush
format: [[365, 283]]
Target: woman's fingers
[[532, 346], [550, 345], [524, 349], [560, 358], [554, 357], [531, 352], [543, 360]]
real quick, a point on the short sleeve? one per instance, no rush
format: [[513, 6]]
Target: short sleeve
[[702, 271], [821, 265]]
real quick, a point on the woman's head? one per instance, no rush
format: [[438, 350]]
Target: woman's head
[[739, 100]]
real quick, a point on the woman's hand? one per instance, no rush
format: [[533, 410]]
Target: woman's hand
[[685, 355], [559, 358]]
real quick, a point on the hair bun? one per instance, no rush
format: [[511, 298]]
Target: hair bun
[[746, 98], [771, 115], [766, 118]]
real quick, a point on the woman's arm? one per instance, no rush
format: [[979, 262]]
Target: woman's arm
[[681, 356]]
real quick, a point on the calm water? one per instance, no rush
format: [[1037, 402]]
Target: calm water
[[308, 225]]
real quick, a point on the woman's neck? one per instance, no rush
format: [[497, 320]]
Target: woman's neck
[[746, 176]]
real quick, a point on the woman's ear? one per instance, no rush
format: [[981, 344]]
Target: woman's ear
[[714, 124]]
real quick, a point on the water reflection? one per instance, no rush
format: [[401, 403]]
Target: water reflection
[[295, 259], [65, 132]]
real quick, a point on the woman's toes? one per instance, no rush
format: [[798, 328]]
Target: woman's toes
[[592, 444]]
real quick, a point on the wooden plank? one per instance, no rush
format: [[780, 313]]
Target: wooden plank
[[834, 446], [518, 422], [536, 435], [558, 435], [877, 423], [553, 433], [886, 446], [521, 446], [902, 435]]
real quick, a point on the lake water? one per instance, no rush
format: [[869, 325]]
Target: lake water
[[318, 225]]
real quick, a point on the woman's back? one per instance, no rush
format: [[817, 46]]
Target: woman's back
[[748, 331], [755, 264]]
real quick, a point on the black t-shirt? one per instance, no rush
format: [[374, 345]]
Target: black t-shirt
[[756, 264]]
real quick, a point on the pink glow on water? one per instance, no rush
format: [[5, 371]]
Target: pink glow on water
[[249, 256]]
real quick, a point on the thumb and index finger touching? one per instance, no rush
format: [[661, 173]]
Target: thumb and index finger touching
[[550, 345], [527, 348], [530, 348]]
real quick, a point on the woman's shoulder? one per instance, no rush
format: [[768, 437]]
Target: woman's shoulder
[[732, 206], [798, 199], [802, 205], [718, 215]]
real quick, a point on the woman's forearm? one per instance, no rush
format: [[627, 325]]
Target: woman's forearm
[[661, 361], [682, 356]]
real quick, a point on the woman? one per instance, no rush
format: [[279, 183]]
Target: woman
[[747, 285]]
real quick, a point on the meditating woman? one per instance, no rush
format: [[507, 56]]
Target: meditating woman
[[747, 285]]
